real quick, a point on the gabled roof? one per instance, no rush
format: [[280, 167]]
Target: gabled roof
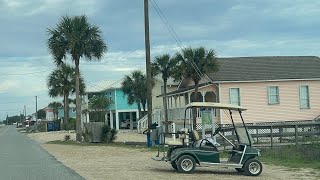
[[267, 68], [104, 85]]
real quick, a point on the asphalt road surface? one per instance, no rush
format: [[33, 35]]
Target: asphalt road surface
[[23, 158]]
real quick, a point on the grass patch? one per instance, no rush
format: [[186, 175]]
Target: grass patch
[[301, 156]]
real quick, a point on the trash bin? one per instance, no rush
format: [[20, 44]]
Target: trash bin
[[154, 136], [149, 142], [160, 135], [57, 126], [50, 126]]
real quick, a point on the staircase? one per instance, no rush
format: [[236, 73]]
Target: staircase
[[142, 124]]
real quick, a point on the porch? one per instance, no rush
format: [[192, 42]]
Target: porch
[[176, 102]]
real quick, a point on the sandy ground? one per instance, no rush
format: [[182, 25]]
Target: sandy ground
[[107, 162]]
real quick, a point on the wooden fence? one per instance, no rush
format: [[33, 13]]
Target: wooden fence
[[275, 134]]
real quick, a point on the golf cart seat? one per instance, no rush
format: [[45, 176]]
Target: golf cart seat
[[182, 136], [196, 136]]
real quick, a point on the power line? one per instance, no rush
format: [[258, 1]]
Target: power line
[[174, 35]]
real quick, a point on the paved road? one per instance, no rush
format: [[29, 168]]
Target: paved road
[[23, 158]]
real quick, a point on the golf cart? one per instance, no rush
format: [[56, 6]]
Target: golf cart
[[191, 150]]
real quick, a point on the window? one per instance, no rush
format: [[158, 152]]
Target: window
[[304, 97], [273, 95], [234, 96]]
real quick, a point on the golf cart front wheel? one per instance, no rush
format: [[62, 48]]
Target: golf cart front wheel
[[186, 164], [252, 167], [174, 165]]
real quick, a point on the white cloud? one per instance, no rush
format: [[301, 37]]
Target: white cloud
[[7, 85], [38, 7]]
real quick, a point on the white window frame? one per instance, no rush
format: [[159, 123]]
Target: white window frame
[[307, 98], [239, 98], [269, 95]]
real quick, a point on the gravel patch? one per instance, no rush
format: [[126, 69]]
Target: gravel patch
[[109, 162]]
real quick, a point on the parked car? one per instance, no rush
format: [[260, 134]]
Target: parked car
[[126, 124]]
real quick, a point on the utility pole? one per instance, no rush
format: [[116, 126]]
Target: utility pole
[[7, 119], [24, 113], [148, 63], [36, 109], [20, 117]]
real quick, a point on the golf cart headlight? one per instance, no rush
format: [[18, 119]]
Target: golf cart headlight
[[259, 153]]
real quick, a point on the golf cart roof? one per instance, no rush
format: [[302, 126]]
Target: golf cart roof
[[215, 106]]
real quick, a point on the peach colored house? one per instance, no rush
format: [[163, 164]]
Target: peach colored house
[[275, 88]]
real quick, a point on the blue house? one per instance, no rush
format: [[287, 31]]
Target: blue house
[[120, 114], [72, 111]]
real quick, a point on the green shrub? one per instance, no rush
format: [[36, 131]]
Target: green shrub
[[42, 127], [108, 135], [70, 125], [87, 136], [67, 137]]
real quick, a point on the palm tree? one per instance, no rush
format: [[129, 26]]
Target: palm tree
[[55, 107], [135, 87], [74, 36], [99, 104], [192, 64], [61, 82], [164, 65]]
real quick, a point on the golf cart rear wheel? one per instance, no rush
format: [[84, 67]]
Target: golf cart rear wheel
[[252, 167], [174, 165], [186, 164]]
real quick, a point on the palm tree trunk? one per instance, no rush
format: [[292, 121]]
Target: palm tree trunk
[[139, 109], [165, 105], [54, 115], [195, 99], [65, 108], [144, 108], [78, 108]]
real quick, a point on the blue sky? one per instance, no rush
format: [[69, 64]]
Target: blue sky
[[231, 27]]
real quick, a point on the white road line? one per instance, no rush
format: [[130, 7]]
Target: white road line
[[4, 130]]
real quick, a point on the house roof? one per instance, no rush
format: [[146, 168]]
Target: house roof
[[267, 68], [104, 85], [260, 69]]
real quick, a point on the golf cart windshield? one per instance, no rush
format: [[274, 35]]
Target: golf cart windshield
[[243, 136]]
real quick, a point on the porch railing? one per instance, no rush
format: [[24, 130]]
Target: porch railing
[[158, 117], [142, 124]]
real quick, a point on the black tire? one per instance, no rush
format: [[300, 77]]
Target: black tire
[[240, 170], [174, 165], [186, 164], [252, 167]]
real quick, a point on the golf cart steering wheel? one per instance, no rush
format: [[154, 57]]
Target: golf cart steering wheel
[[217, 131]]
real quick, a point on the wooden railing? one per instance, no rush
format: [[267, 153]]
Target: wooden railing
[[274, 134]]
